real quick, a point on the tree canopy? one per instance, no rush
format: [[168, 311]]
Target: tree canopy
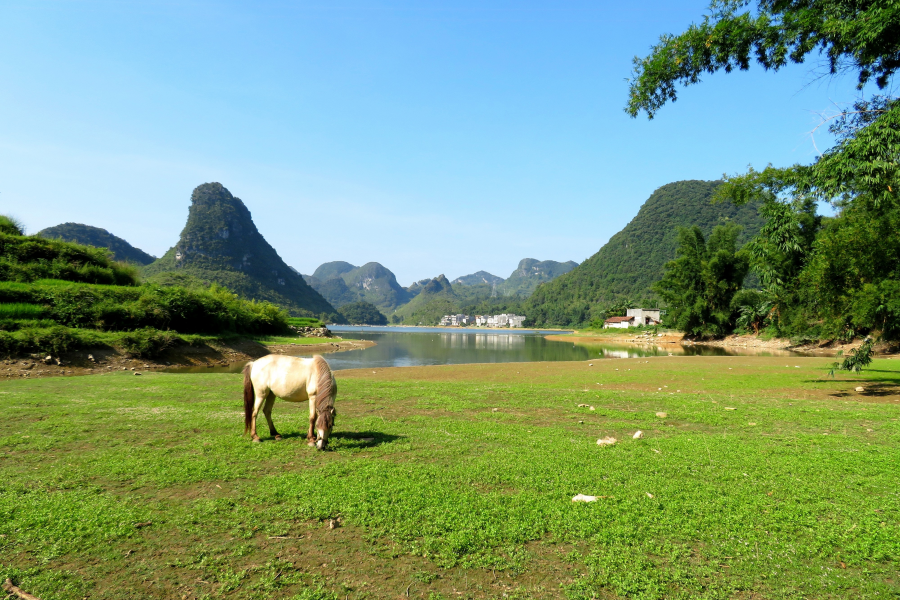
[[701, 283], [860, 35], [836, 278]]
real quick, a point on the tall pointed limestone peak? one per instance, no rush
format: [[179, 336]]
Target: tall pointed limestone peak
[[220, 229], [221, 244]]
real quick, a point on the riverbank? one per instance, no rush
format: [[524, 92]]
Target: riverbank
[[211, 353], [757, 477], [672, 340]]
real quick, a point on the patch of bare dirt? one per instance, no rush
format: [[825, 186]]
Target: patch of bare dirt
[[161, 563], [93, 361]]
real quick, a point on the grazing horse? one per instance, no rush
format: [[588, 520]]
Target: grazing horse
[[295, 380]]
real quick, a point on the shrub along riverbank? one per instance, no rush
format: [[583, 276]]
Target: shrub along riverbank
[[57, 296]]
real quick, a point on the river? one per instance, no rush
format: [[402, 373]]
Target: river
[[414, 346], [419, 346]]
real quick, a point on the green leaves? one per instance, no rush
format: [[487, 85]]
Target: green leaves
[[861, 35], [699, 285], [859, 358]]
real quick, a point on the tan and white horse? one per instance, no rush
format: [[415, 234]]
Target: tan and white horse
[[295, 380]]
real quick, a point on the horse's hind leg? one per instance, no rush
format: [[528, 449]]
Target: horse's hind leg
[[267, 411], [258, 401]]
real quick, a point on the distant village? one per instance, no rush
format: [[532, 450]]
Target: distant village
[[503, 320], [635, 317]]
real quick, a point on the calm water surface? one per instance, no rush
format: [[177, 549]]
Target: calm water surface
[[416, 346]]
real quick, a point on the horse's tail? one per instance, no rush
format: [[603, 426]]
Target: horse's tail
[[326, 390], [249, 397]]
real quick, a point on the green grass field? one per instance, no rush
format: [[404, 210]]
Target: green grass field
[[765, 479]]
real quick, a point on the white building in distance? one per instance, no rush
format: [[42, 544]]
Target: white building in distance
[[634, 317], [455, 320], [503, 320]]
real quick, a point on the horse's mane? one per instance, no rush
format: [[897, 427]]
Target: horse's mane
[[326, 389]]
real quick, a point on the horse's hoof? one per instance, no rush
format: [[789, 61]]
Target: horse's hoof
[[310, 443], [277, 438], [255, 439]]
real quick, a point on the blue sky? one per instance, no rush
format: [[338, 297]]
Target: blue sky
[[432, 137]]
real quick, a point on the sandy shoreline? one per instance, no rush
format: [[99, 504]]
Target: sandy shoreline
[[736, 342]]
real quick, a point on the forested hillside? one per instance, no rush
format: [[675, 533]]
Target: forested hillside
[[333, 269], [627, 266], [362, 313], [435, 299], [99, 238], [221, 244], [56, 296]]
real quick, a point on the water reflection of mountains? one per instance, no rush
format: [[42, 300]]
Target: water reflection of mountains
[[398, 349]]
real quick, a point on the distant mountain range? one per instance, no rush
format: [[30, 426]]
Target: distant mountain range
[[633, 259], [221, 244], [478, 278], [531, 273], [101, 238], [342, 283], [522, 282], [435, 298]]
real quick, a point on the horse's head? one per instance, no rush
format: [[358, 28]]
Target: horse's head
[[324, 425]]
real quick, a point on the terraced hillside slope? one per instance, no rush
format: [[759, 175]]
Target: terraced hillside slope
[[633, 259], [220, 243], [88, 235]]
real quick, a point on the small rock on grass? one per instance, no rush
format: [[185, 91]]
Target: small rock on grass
[[137, 373], [607, 441], [637, 435], [729, 408], [583, 498], [662, 415], [860, 389]]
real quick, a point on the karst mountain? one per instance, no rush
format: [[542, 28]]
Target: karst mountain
[[221, 244]]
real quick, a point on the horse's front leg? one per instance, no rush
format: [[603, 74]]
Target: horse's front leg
[[311, 434]]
